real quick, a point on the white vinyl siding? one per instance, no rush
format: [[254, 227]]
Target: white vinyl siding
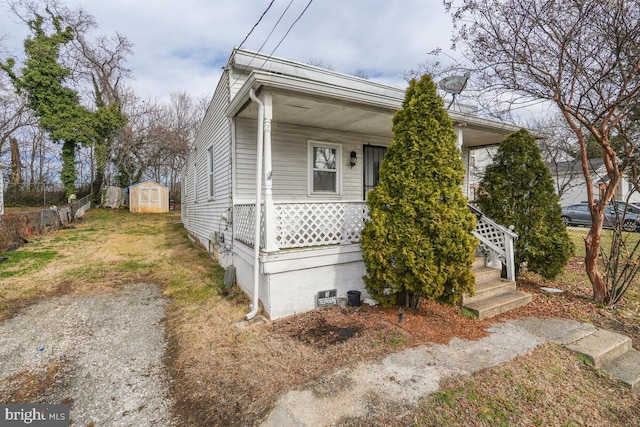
[[204, 217], [195, 181], [324, 166], [290, 153]]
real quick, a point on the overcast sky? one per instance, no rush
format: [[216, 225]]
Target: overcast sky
[[181, 45]]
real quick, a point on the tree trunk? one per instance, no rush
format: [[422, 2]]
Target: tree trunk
[[68, 174], [96, 186], [16, 163], [100, 154], [592, 249]]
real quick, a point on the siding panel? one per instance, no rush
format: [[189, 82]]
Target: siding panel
[[201, 214], [290, 158]]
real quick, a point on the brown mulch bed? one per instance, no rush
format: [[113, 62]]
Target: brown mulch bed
[[437, 323], [431, 323]]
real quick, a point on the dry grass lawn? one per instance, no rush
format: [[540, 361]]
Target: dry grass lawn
[[225, 376]]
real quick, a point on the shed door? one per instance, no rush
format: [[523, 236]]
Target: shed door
[[372, 159], [148, 198]]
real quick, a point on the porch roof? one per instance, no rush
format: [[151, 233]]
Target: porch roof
[[314, 97]]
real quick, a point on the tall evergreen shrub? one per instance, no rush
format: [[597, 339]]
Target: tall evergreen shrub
[[418, 241], [517, 189]]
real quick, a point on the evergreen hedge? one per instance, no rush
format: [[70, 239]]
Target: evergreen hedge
[[418, 241], [517, 189]]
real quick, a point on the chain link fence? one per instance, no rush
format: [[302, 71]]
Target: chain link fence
[[16, 228], [577, 235], [38, 195]]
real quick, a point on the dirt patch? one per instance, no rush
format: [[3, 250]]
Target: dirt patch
[[27, 386], [324, 335], [431, 323]]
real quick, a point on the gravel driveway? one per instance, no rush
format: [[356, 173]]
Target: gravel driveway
[[110, 348]]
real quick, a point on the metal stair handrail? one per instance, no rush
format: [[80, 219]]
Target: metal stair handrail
[[497, 239]]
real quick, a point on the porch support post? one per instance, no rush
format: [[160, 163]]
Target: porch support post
[[459, 141], [509, 250], [460, 138], [270, 244]]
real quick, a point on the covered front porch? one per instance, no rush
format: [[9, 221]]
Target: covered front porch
[[306, 150]]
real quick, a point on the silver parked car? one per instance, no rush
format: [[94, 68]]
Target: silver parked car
[[616, 213]]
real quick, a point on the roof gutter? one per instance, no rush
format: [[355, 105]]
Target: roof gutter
[[389, 100], [256, 238]]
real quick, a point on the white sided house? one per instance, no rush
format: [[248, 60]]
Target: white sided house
[[304, 144], [570, 183]]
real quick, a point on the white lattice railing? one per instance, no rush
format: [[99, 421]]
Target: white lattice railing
[[496, 239], [299, 225], [317, 224], [244, 220]]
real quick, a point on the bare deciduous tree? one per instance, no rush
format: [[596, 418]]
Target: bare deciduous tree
[[152, 144], [581, 55], [560, 151], [156, 141], [95, 68]]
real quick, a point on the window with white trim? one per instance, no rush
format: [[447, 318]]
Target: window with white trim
[[195, 182], [324, 167], [210, 172]]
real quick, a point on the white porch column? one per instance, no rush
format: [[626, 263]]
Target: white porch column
[[459, 141], [270, 244]]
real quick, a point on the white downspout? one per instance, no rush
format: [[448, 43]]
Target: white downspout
[[256, 239]]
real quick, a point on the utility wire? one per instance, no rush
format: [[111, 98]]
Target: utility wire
[[267, 39], [274, 26], [256, 24], [272, 30], [287, 33]]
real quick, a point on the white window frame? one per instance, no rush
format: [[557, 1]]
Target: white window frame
[[195, 181], [210, 173], [311, 144]]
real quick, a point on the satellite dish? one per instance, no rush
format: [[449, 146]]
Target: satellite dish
[[454, 85]]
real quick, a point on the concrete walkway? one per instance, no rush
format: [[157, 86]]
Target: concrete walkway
[[402, 379]]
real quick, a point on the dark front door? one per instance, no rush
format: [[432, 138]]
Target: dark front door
[[372, 159]]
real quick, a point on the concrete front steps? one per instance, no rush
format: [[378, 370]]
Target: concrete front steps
[[493, 295], [611, 352]]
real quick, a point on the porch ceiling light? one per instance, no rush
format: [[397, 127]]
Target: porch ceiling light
[[353, 159]]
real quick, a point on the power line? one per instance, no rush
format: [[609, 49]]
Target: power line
[[287, 33], [267, 39], [272, 30], [275, 25], [256, 24]]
